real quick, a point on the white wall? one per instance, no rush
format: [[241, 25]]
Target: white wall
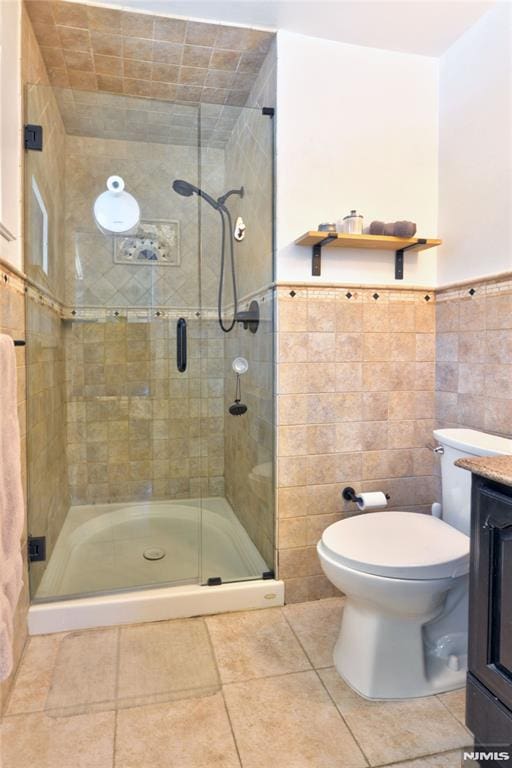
[[10, 132], [356, 128], [475, 151]]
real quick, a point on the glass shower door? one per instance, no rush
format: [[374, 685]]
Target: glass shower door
[[107, 404], [236, 169]]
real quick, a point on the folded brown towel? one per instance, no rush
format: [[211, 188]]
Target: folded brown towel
[[405, 228], [377, 228], [393, 229]]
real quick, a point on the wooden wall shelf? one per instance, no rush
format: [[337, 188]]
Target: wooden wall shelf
[[319, 240]]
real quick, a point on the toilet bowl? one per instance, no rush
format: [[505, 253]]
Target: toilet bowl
[[405, 576], [405, 579]]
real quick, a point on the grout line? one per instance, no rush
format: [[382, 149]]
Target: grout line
[[344, 720], [114, 740], [325, 687], [212, 647], [408, 759], [214, 656], [405, 761], [441, 701], [116, 694], [231, 726]]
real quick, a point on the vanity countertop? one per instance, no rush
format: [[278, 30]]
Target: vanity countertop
[[497, 468]]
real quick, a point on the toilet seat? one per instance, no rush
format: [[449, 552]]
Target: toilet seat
[[399, 545]]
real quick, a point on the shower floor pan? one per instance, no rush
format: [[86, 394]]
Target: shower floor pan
[[149, 561]]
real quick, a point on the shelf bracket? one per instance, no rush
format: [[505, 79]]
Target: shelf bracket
[[399, 257], [316, 263]]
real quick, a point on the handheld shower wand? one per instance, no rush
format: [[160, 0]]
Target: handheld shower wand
[[186, 189]]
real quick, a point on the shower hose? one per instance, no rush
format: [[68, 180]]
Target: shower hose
[[226, 328]]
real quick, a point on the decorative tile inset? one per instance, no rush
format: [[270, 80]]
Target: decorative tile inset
[[155, 242]]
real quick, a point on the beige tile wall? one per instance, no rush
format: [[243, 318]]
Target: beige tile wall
[[355, 405], [125, 372], [121, 51], [249, 163], [48, 494], [249, 439], [148, 171], [48, 497], [12, 322], [33, 68], [474, 356], [137, 427], [47, 168]]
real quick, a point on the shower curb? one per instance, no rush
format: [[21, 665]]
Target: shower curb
[[157, 604]]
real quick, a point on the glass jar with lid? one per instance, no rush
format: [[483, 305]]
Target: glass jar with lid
[[351, 224]]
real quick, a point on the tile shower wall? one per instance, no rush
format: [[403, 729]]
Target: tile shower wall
[[137, 428], [93, 279], [108, 49], [45, 176], [355, 407], [249, 439], [12, 322], [249, 162], [48, 495], [474, 356]]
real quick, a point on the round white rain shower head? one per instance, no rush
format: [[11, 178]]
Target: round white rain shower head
[[116, 211]]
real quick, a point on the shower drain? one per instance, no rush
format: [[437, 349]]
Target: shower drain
[[154, 553]]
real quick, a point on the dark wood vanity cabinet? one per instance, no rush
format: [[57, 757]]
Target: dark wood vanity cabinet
[[489, 686]]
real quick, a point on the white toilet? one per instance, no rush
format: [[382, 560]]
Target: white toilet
[[405, 577]]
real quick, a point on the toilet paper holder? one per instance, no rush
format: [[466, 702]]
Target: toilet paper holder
[[349, 494]]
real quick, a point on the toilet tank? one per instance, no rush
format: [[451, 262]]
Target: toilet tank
[[456, 482]]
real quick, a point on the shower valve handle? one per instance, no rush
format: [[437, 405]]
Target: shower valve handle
[[181, 345]]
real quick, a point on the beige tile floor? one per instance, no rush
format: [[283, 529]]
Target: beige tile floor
[[246, 689]]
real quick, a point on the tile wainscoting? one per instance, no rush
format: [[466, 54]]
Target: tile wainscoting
[[361, 383], [474, 356], [355, 406], [12, 323], [48, 494]]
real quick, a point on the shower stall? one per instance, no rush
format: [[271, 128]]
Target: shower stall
[[149, 496]]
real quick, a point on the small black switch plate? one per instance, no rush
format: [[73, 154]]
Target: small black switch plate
[[34, 137], [36, 549]]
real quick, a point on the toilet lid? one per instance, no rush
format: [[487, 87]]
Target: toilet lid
[[400, 545]]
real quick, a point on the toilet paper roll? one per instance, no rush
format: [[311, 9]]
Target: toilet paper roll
[[371, 500]]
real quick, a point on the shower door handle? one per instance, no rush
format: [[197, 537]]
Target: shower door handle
[[181, 345]]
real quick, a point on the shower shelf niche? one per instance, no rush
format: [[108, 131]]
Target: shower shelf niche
[[400, 245]]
